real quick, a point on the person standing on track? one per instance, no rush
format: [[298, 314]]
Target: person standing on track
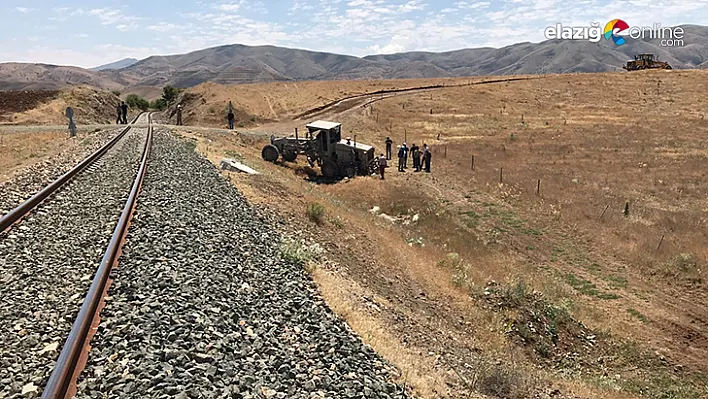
[[179, 115], [231, 118], [124, 111], [119, 113], [389, 143]]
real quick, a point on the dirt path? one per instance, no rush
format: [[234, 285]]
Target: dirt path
[[348, 103]]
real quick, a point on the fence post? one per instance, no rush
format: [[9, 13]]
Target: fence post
[[603, 212], [472, 162], [538, 187], [501, 175]]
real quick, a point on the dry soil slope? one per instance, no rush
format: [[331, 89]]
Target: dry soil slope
[[91, 106]]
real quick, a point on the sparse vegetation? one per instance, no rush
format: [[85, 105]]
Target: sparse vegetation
[[586, 287], [461, 271], [316, 213], [190, 144], [504, 381], [337, 222], [300, 254], [638, 315]]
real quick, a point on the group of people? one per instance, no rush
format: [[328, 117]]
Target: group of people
[[122, 111], [122, 118], [421, 157]]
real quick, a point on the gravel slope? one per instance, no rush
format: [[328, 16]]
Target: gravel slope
[[25, 183], [203, 306], [47, 262]]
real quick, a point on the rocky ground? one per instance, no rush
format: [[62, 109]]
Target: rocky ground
[[29, 181], [205, 306], [47, 262]]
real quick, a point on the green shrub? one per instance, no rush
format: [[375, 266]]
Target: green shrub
[[135, 101], [316, 212], [159, 104], [304, 256], [169, 94]]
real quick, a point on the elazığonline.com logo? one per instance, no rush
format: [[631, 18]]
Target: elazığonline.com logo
[[667, 36]]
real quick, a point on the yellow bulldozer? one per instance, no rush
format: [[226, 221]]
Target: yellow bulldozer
[[645, 61]]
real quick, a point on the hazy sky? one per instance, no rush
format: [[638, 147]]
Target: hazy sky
[[90, 33]]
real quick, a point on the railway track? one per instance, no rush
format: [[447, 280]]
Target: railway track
[[49, 248], [204, 303]]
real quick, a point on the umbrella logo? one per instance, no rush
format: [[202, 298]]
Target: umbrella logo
[[619, 26]]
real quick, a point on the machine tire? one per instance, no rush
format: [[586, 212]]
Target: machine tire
[[668, 67], [374, 167], [350, 171], [289, 156], [330, 170], [270, 153]]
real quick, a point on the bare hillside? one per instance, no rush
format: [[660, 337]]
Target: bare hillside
[[238, 64], [18, 76], [91, 106]]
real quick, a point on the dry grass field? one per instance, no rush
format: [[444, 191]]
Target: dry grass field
[[502, 288], [280, 102], [22, 149]]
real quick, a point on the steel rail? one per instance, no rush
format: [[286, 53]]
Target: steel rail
[[64, 371], [26, 207]]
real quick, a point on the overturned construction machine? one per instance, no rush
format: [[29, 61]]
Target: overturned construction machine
[[645, 61], [323, 145]]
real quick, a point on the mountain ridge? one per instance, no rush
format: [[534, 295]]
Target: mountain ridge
[[237, 63], [124, 63]]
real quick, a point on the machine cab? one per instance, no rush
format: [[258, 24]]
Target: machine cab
[[326, 133]]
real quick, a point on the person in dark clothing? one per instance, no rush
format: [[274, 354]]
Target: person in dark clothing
[[389, 143], [124, 111], [405, 156], [179, 115], [415, 150], [231, 118], [119, 113], [401, 154], [426, 157], [382, 165]]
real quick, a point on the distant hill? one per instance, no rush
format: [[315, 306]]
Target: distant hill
[[234, 64], [17, 76], [124, 63]]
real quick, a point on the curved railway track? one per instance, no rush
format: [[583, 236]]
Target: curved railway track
[[74, 348]]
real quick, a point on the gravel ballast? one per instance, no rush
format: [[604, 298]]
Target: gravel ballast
[[203, 306], [27, 182], [47, 262]]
